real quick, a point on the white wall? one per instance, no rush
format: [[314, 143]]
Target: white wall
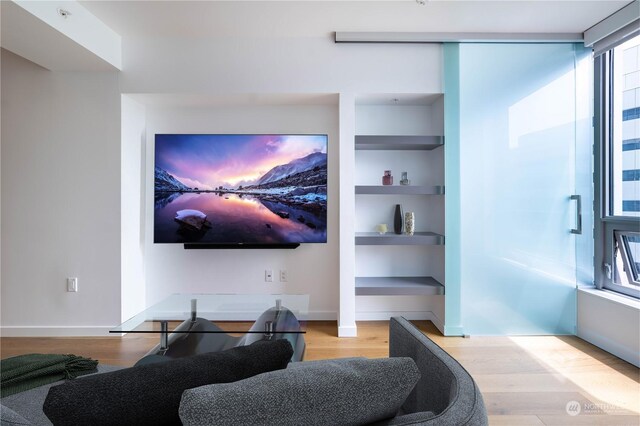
[[133, 172], [312, 268], [278, 65], [81, 113], [246, 67], [60, 199], [611, 322]]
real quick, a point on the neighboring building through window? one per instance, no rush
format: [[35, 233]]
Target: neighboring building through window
[[626, 128]]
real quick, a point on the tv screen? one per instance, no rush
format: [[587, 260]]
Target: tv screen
[[240, 189]]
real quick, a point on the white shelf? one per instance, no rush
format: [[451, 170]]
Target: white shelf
[[399, 190], [392, 239], [398, 286], [398, 143]]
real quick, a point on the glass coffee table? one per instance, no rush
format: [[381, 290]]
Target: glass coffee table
[[189, 324]]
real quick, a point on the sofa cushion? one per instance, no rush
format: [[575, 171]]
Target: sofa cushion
[[150, 394], [8, 417], [352, 391]]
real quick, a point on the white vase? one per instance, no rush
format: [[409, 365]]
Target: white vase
[[409, 223]]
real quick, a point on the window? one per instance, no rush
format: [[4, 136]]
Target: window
[[617, 175], [625, 128]]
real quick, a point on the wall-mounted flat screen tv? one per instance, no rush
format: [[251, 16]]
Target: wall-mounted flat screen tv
[[240, 189]]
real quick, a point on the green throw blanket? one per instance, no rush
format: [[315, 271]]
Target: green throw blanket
[[24, 372]]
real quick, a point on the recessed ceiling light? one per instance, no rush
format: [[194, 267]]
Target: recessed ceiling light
[[64, 13]]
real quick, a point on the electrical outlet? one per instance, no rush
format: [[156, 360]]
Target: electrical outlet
[[268, 275], [72, 284], [283, 275]]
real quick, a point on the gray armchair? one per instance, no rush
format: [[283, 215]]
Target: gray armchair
[[445, 394]]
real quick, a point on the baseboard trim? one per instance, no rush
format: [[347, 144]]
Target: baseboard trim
[[101, 331], [410, 315], [453, 331], [56, 331], [348, 331], [322, 316], [385, 315], [98, 331], [438, 323]]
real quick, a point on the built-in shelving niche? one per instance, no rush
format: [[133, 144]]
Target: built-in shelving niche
[[396, 136]]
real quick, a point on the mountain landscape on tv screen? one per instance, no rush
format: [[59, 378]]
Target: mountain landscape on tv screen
[[227, 195]]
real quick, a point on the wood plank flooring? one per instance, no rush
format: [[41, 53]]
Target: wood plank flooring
[[524, 380]]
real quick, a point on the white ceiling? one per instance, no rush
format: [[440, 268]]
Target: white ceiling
[[33, 38], [178, 100], [24, 34], [320, 18]]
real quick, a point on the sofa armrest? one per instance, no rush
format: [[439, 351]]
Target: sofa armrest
[[445, 388]]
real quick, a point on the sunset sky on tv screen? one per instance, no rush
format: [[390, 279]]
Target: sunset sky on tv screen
[[210, 161]]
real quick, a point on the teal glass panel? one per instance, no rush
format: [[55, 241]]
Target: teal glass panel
[[519, 125], [452, 300]]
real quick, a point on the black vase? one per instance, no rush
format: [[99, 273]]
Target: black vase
[[397, 220]]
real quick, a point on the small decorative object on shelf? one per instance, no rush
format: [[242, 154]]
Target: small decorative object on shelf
[[387, 179], [405, 180], [397, 220], [382, 228], [409, 223]]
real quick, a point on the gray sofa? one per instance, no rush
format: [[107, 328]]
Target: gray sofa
[[444, 395]]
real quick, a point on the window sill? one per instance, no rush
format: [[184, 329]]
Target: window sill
[[620, 299], [618, 219]]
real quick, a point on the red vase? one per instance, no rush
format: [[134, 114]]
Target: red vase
[[387, 179]]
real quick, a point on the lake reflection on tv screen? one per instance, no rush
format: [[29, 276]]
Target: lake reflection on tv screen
[[237, 218]]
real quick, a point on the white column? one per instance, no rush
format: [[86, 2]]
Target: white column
[[133, 290], [347, 312]]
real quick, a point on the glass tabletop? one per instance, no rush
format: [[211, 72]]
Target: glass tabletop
[[222, 313]]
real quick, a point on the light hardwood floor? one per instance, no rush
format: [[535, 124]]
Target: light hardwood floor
[[524, 380]]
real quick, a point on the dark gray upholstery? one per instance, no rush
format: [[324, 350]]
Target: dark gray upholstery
[[353, 391], [445, 388], [150, 394], [444, 395], [28, 404]]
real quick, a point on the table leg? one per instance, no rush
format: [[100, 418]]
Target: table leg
[[194, 309], [164, 335], [268, 329]]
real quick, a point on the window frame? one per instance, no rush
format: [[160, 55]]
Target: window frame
[[630, 267], [605, 223]]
